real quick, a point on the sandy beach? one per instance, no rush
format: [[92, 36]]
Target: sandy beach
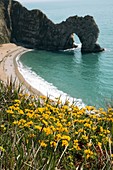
[[8, 66]]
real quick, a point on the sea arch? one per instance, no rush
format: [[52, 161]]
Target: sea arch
[[85, 28], [33, 29]]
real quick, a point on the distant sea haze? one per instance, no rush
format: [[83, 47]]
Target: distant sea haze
[[87, 77]]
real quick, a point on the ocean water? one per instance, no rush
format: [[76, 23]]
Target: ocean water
[[87, 77]]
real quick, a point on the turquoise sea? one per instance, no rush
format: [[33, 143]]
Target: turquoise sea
[[87, 77]]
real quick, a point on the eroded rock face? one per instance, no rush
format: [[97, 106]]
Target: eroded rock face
[[85, 28], [5, 22], [35, 30]]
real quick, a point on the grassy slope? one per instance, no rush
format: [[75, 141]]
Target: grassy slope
[[38, 133]]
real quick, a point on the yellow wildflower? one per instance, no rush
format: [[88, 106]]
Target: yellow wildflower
[[21, 122], [81, 121], [45, 116], [58, 124], [16, 105], [28, 124], [80, 112], [44, 122], [76, 145], [107, 131], [15, 122], [2, 149], [3, 127], [16, 108], [76, 133], [104, 113], [107, 138], [12, 107], [99, 144], [64, 120], [65, 107], [84, 137], [43, 97], [65, 137], [10, 111], [93, 116], [31, 104], [27, 110], [65, 143], [64, 129], [101, 109], [30, 115], [87, 120], [53, 144], [58, 137], [75, 141], [38, 127], [88, 153], [87, 125], [17, 101], [41, 109], [47, 131], [101, 129], [52, 117], [21, 112], [52, 128], [69, 124], [89, 108], [81, 130], [60, 115], [43, 144], [94, 128]]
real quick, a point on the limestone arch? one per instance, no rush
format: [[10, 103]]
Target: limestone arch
[[85, 29]]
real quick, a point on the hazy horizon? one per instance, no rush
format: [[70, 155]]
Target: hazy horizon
[[34, 1]]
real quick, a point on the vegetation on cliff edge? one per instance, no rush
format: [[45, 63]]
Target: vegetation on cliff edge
[[39, 133]]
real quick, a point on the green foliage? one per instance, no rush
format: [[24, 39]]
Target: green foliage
[[42, 134]]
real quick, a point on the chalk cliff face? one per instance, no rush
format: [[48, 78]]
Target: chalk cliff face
[[35, 30]]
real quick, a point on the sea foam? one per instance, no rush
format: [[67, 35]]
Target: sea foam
[[46, 88]]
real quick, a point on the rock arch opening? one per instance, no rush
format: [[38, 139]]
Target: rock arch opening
[[77, 41], [86, 30]]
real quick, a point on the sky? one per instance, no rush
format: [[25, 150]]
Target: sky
[[29, 1]]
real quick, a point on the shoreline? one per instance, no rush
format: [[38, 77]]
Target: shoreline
[[9, 68]]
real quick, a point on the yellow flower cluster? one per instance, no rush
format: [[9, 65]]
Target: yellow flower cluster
[[88, 153], [58, 125]]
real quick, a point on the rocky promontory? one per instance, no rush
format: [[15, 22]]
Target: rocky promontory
[[34, 30]]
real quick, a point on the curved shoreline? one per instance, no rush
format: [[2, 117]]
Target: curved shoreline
[[9, 67], [37, 84], [22, 79]]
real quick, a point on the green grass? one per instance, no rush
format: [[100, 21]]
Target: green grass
[[37, 133]]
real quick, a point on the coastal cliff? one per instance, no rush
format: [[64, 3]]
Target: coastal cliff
[[34, 30], [5, 22]]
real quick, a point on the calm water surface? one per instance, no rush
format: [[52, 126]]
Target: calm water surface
[[89, 76]]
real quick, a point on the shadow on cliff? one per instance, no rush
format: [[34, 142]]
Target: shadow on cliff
[[33, 29]]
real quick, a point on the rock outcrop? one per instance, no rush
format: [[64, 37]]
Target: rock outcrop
[[5, 22], [35, 30]]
